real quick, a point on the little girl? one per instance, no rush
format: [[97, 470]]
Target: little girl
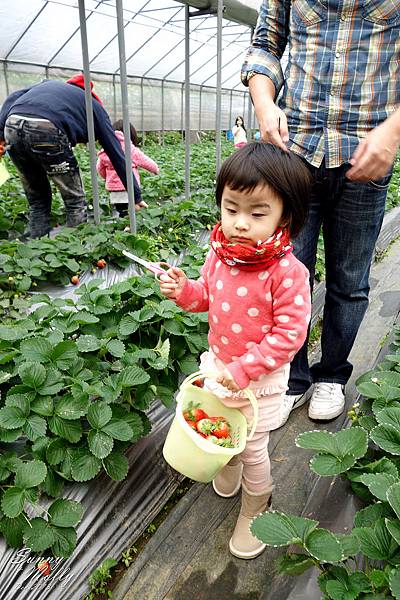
[[118, 194], [239, 133], [258, 297]]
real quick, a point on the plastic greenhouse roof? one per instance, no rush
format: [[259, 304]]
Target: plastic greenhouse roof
[[46, 33]]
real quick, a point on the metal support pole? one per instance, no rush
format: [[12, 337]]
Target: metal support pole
[[142, 112], [89, 111], [182, 85], [187, 103], [162, 113], [6, 79], [114, 98], [249, 118], [125, 115], [218, 89], [249, 103], [201, 89], [230, 110]]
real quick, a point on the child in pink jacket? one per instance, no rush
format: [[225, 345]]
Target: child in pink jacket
[[257, 295], [118, 194]]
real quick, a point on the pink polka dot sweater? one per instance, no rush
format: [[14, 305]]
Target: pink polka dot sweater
[[258, 319]]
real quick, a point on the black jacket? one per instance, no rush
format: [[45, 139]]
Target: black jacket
[[64, 105]]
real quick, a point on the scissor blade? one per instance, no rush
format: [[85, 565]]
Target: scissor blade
[[154, 268], [135, 258]]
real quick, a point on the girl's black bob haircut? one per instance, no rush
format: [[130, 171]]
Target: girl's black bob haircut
[[119, 126], [260, 163]]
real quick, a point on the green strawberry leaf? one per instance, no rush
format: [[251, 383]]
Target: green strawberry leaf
[[100, 444], [84, 465], [13, 501], [99, 414], [116, 466], [30, 474], [65, 513], [38, 535]]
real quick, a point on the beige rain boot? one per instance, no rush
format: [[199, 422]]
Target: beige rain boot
[[242, 543], [228, 481]]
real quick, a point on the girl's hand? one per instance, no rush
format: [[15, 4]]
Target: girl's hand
[[172, 282], [225, 378]]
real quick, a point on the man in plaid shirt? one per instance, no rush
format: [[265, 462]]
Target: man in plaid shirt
[[338, 108]]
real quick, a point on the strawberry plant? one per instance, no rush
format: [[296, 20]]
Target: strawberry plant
[[363, 563], [75, 379]]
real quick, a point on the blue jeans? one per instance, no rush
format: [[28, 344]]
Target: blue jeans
[[351, 215], [41, 152]]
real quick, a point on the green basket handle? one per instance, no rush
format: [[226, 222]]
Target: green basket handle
[[247, 392]]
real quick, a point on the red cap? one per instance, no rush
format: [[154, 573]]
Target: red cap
[[79, 81]]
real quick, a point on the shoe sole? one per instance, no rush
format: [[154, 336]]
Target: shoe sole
[[233, 493], [325, 417], [306, 397], [246, 555]]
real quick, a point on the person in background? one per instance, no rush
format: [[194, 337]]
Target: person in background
[[239, 133], [40, 125], [340, 111], [257, 295], [118, 194]]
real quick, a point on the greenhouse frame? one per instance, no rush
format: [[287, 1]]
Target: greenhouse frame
[[107, 490], [161, 65], [154, 32]]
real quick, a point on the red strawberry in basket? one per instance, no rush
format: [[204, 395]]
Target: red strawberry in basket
[[191, 424], [195, 414], [205, 426], [221, 429]]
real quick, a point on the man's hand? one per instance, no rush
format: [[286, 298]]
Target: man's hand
[[273, 126], [225, 378], [375, 154], [2, 147], [172, 282], [272, 120]]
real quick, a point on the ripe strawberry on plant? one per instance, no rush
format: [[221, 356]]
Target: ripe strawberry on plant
[[101, 263], [44, 567], [75, 279]]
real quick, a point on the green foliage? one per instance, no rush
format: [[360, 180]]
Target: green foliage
[[364, 563], [76, 378], [337, 452], [99, 578]]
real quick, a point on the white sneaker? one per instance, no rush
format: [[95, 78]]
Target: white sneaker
[[292, 402], [327, 401]]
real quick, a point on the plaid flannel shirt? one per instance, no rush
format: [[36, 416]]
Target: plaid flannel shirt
[[343, 73]]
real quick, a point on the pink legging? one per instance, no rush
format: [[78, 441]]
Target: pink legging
[[256, 464]]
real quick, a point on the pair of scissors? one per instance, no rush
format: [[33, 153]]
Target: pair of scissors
[[158, 268]]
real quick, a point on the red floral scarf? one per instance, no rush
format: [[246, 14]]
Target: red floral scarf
[[251, 258]]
